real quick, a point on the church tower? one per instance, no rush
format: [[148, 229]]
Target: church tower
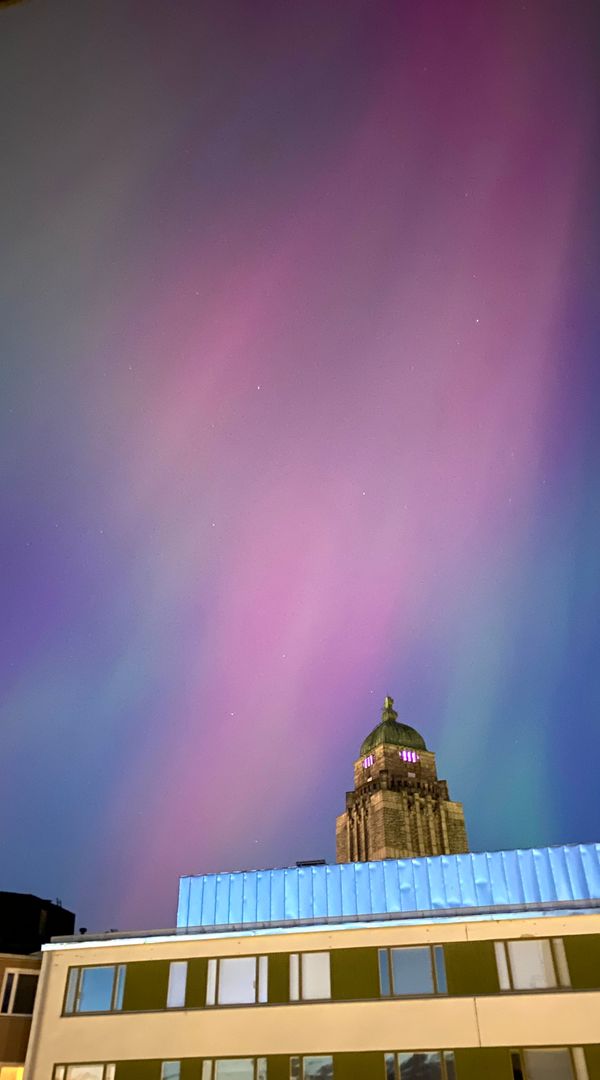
[[398, 809]]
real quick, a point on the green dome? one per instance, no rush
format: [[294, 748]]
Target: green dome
[[390, 731]]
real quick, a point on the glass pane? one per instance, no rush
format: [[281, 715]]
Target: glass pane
[[235, 1069], [560, 959], [294, 977], [207, 1069], [109, 1072], [440, 969], [449, 1063], [95, 990], [548, 1064], [317, 1068], [261, 1069], [237, 981], [59, 1072], [531, 964], [411, 971], [71, 989], [579, 1063], [316, 980], [119, 987], [171, 1070], [502, 965], [384, 973], [85, 1072], [263, 962], [515, 1060], [294, 1068], [390, 1063], [177, 981], [8, 985], [211, 982], [25, 994], [420, 1065]]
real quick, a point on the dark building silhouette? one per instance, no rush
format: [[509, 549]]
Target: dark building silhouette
[[27, 922]]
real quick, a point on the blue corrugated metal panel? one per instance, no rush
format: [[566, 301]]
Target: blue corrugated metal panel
[[488, 880]]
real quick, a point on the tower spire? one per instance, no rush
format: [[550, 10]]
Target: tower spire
[[389, 712]]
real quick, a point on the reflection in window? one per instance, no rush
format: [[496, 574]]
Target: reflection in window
[[312, 1068], [547, 1065], [310, 976], [420, 1065], [237, 980], [84, 1072], [177, 981], [170, 1070], [18, 992], [95, 989], [412, 970], [532, 964], [235, 1069]]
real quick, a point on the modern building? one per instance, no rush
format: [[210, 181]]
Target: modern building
[[26, 923], [398, 809], [456, 967]]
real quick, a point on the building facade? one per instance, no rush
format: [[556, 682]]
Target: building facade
[[18, 983], [461, 967], [398, 809]]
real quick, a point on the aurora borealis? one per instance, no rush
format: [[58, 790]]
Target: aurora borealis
[[300, 327]]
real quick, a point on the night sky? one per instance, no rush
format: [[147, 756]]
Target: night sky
[[300, 407]]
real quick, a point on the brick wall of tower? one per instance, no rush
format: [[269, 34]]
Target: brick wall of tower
[[398, 810]]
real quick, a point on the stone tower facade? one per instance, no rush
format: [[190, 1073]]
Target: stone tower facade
[[398, 809]]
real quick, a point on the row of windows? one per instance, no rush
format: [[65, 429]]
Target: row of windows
[[557, 1063], [530, 964], [18, 992]]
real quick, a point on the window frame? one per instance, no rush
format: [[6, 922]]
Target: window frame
[[173, 964], [261, 983], [109, 1069], [296, 960], [395, 1055], [435, 951], [579, 1069], [13, 990], [560, 966], [301, 1058], [118, 988], [209, 1070]]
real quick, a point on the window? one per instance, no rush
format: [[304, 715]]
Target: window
[[95, 989], [237, 980], [310, 976], [368, 761], [420, 1065], [11, 1072], [414, 970], [235, 1069], [170, 1070], [311, 1068], [409, 755], [555, 1064], [532, 964], [177, 981], [18, 992], [84, 1072]]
